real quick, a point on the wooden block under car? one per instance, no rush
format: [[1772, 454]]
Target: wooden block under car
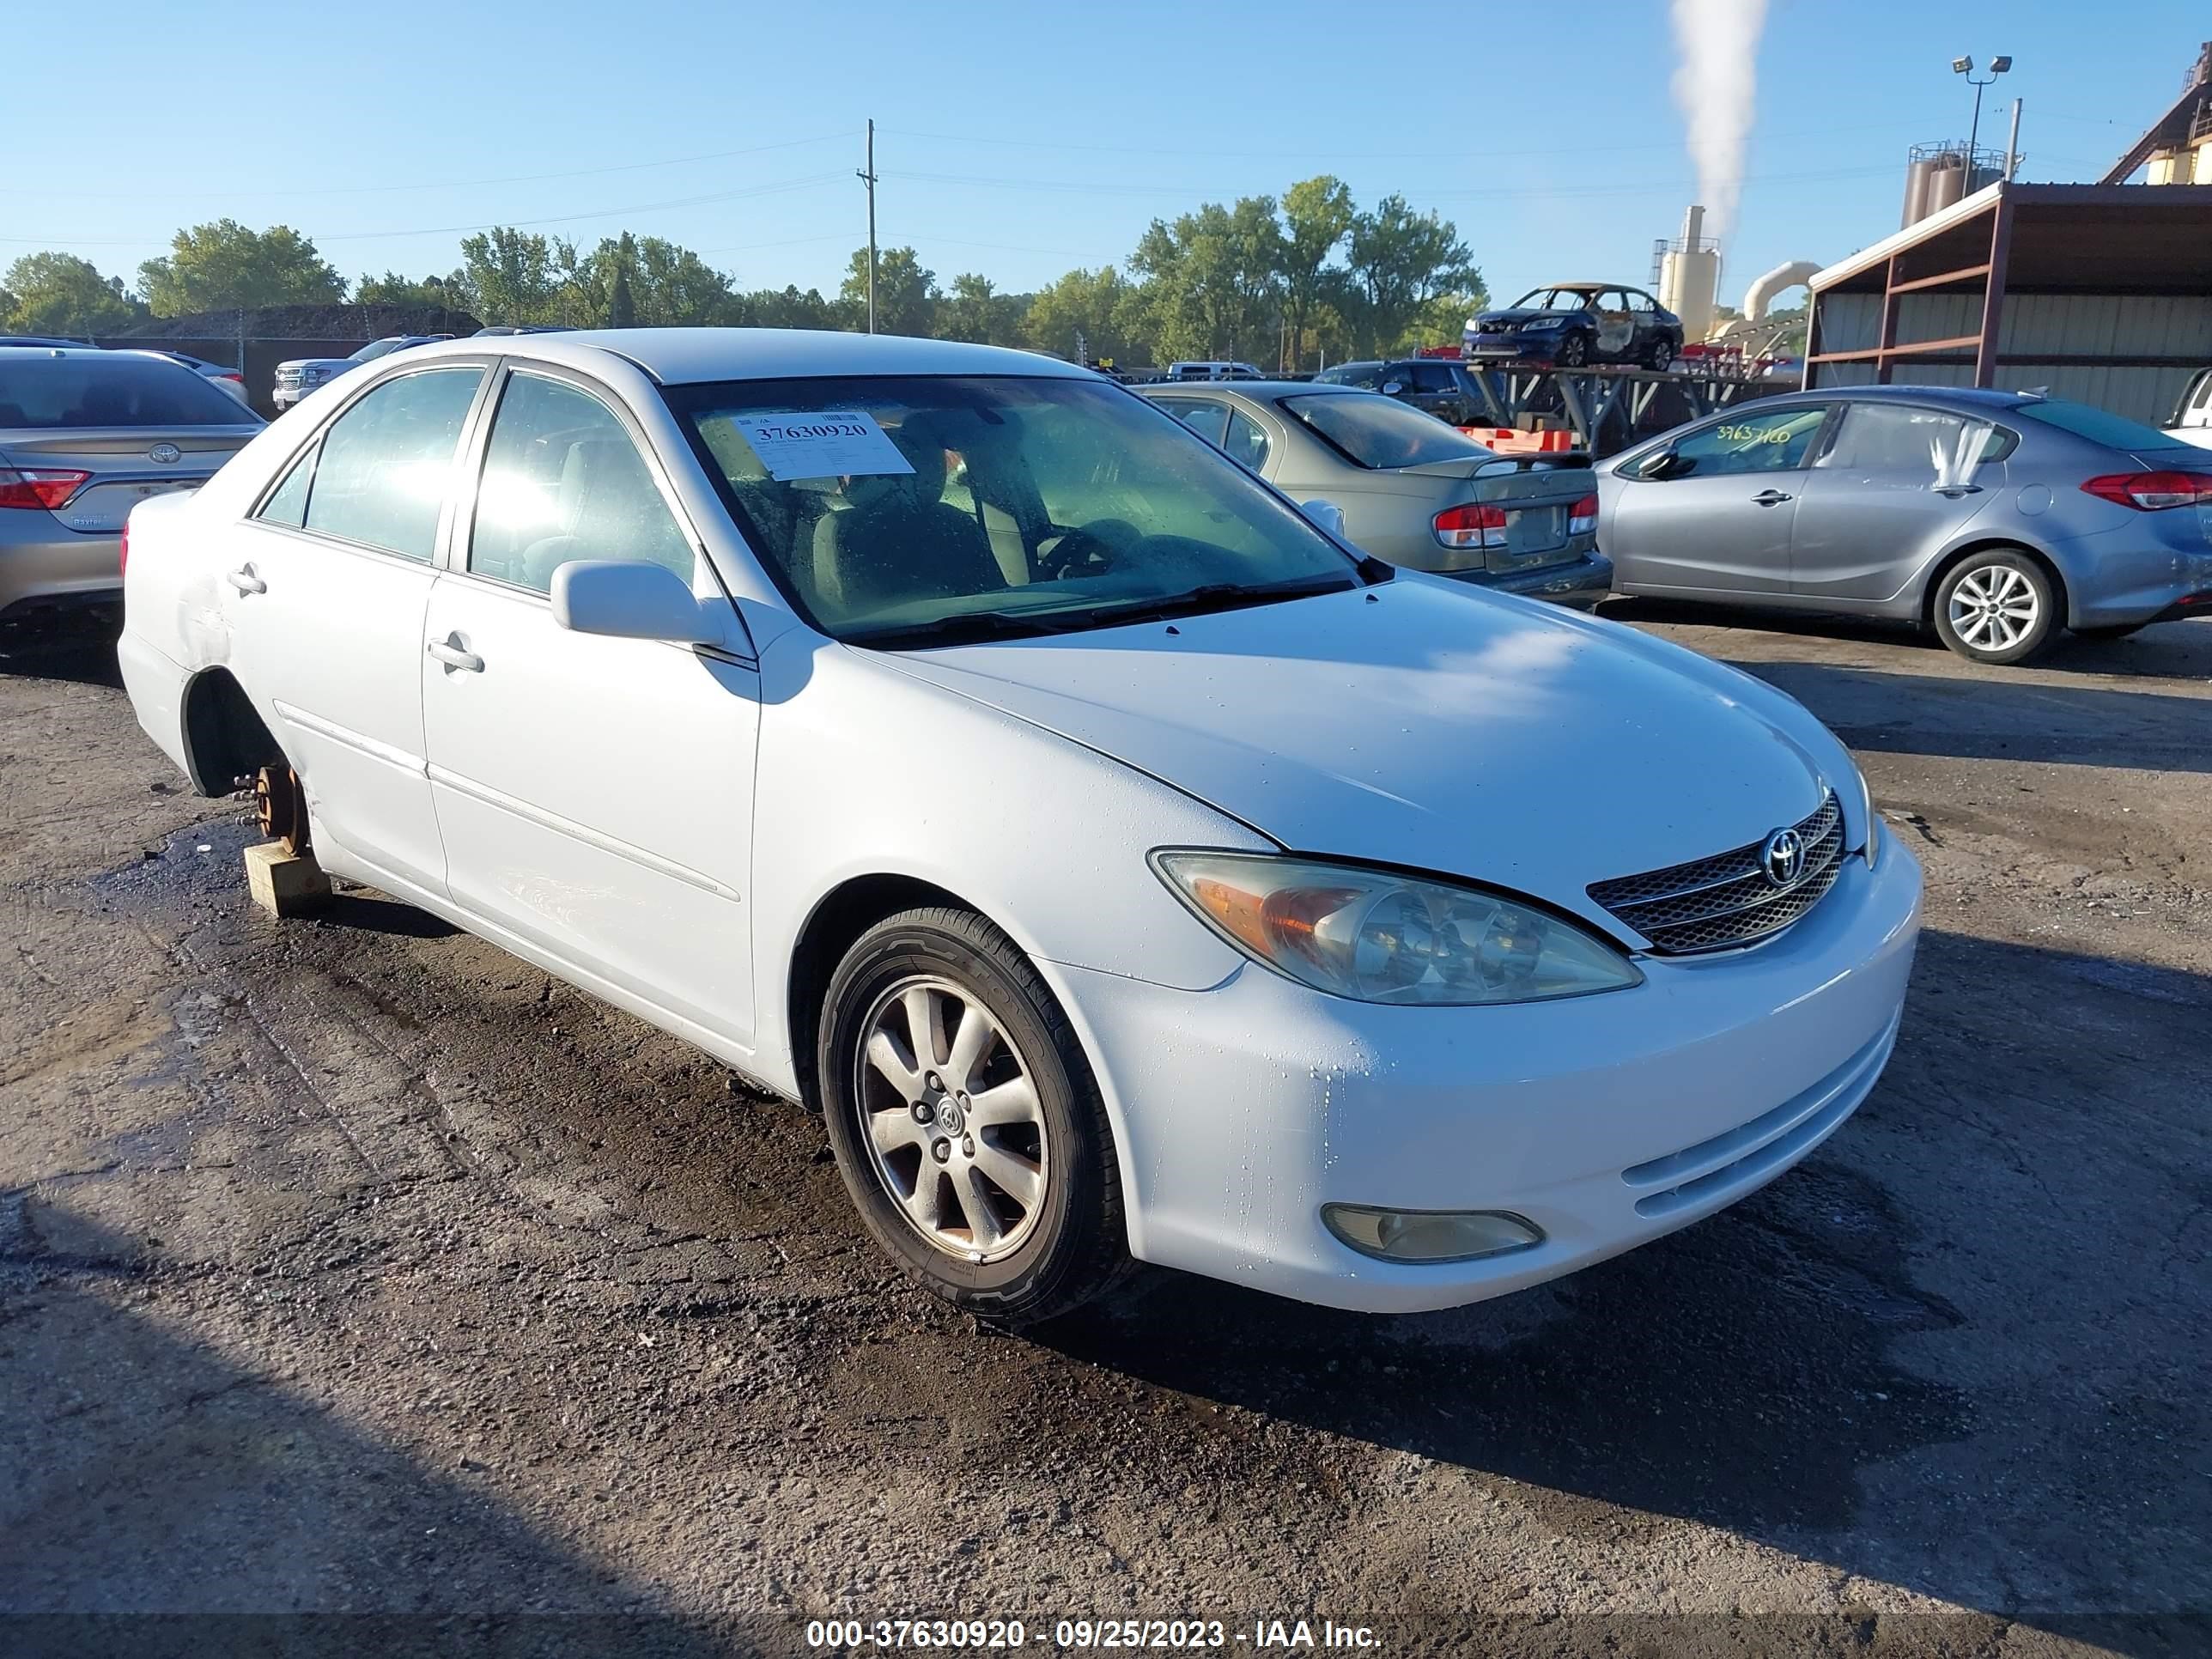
[[285, 884]]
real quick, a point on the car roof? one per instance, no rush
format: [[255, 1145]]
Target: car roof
[[684, 356], [1972, 397], [1262, 389]]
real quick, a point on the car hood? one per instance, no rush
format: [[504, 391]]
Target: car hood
[[1424, 724], [1520, 316]]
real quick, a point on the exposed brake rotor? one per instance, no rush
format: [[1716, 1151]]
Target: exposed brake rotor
[[279, 807]]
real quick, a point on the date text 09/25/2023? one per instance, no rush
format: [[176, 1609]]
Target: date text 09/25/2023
[[858, 1636]]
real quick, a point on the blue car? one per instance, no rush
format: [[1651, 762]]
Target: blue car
[[1576, 324]]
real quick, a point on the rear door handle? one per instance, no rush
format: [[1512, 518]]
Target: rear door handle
[[1770, 498], [1956, 490], [245, 580], [451, 652]]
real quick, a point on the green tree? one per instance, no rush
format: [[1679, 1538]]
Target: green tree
[[974, 310], [1398, 263], [216, 266], [1088, 313], [393, 290], [1317, 215], [508, 276], [786, 307], [1213, 281], [675, 287], [906, 292], [60, 294], [622, 304]]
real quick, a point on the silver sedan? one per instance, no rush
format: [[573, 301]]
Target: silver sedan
[[1995, 518], [1413, 491]]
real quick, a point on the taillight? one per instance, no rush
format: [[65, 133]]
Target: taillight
[[1582, 517], [123, 552], [39, 486], [1471, 524], [240, 378], [2151, 492]]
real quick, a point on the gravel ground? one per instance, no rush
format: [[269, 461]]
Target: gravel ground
[[363, 1290]]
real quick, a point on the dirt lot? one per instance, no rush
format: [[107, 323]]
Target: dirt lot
[[361, 1287]]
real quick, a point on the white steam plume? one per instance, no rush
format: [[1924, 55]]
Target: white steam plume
[[1715, 86]]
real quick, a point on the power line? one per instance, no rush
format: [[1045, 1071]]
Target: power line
[[446, 183], [1429, 154], [777, 188], [1078, 187]]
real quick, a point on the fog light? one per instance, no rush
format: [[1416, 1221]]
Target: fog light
[[1430, 1234]]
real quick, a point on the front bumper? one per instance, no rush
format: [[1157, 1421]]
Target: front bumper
[[1579, 582], [1606, 1120], [1520, 347], [44, 564]]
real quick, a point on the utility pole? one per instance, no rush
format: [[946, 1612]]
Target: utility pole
[[2012, 145], [868, 178]]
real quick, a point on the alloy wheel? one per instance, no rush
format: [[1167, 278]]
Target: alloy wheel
[[1993, 608], [956, 1132]]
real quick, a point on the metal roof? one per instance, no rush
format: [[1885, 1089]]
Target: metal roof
[[2099, 238]]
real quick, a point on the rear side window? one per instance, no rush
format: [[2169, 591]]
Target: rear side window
[[1246, 443], [387, 463], [563, 481], [108, 389], [1209, 419], [1380, 432], [2099, 428], [1923, 445], [287, 502]]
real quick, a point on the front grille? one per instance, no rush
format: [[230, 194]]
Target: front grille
[[1711, 904]]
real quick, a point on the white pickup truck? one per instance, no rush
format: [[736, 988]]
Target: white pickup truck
[[2192, 415]]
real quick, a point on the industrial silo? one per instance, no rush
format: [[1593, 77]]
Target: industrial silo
[[1690, 277]]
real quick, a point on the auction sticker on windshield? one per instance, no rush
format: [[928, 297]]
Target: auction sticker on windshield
[[835, 443]]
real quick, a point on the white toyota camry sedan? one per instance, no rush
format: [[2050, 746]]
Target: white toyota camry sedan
[[1125, 867]]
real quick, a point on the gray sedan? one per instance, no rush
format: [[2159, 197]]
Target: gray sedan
[[1413, 491], [1995, 518], [85, 435]]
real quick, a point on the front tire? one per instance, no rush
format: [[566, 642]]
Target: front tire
[[966, 1123], [1997, 606], [1574, 351]]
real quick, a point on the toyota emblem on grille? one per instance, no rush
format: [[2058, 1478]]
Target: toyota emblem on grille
[[164, 453], [1782, 858]]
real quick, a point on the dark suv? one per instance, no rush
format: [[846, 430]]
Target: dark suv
[[1572, 324], [1439, 385]]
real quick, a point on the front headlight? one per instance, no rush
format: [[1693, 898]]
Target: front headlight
[[1376, 936], [1545, 322]]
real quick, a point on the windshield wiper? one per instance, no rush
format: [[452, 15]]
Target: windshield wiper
[[960, 628], [1210, 597]]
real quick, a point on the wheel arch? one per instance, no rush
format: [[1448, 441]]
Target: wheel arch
[[1950, 560], [225, 738]]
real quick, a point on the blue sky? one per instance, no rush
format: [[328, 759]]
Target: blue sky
[[1020, 140]]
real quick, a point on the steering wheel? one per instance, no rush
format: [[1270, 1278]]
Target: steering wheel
[[1088, 551]]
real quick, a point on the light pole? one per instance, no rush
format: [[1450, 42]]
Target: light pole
[[1965, 66]]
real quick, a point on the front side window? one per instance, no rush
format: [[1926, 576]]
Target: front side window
[[1922, 446], [1756, 441], [387, 463], [562, 480], [904, 511], [1380, 432], [1431, 377]]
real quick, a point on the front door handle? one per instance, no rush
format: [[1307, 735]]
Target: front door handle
[[1957, 490], [245, 580], [1770, 498], [451, 652]]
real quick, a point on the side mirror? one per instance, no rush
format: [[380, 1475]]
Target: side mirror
[[1392, 388], [626, 599], [1327, 514], [1659, 466]]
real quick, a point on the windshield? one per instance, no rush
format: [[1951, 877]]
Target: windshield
[[1553, 299], [1380, 432], [2094, 425], [375, 348], [925, 510], [113, 389]]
